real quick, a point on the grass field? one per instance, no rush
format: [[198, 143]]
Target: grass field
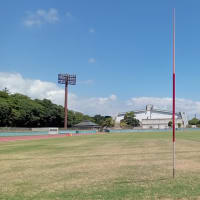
[[111, 166]]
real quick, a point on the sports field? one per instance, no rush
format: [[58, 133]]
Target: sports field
[[110, 166]]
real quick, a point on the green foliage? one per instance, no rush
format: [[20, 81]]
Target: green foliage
[[103, 121], [123, 124], [5, 113], [194, 121], [170, 123], [179, 125], [108, 122], [4, 94], [98, 119], [76, 117], [17, 110], [130, 120]]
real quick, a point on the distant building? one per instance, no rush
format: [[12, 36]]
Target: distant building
[[151, 118]]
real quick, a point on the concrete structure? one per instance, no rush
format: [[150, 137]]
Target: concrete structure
[[155, 118]]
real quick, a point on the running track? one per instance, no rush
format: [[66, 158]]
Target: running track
[[38, 137]]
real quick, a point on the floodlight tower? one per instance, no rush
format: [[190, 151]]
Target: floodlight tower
[[66, 79]]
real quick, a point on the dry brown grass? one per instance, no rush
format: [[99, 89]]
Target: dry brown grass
[[65, 165]]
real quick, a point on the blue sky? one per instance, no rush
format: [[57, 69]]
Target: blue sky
[[116, 47]]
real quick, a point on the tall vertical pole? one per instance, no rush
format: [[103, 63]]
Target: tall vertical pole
[[174, 93], [66, 79], [66, 95]]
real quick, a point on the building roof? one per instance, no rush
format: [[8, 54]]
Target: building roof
[[86, 123], [152, 110]]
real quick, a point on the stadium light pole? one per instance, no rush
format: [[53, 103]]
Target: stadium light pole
[[174, 137], [66, 79]]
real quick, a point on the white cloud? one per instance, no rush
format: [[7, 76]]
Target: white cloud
[[94, 105], [92, 60], [92, 30], [113, 97], [33, 88], [41, 16], [189, 106], [104, 100], [16, 83], [110, 105], [139, 102]]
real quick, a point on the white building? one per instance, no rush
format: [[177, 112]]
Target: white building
[[156, 119]]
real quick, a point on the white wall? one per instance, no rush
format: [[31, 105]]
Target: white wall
[[151, 114], [147, 115]]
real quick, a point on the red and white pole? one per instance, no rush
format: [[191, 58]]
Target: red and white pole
[[174, 93]]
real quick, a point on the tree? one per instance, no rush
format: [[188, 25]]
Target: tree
[[5, 113], [170, 123], [87, 117], [4, 94], [108, 122], [98, 119], [103, 121], [18, 110], [193, 121], [130, 119], [123, 124]]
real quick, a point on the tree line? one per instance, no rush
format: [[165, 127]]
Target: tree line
[[194, 121], [18, 110]]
